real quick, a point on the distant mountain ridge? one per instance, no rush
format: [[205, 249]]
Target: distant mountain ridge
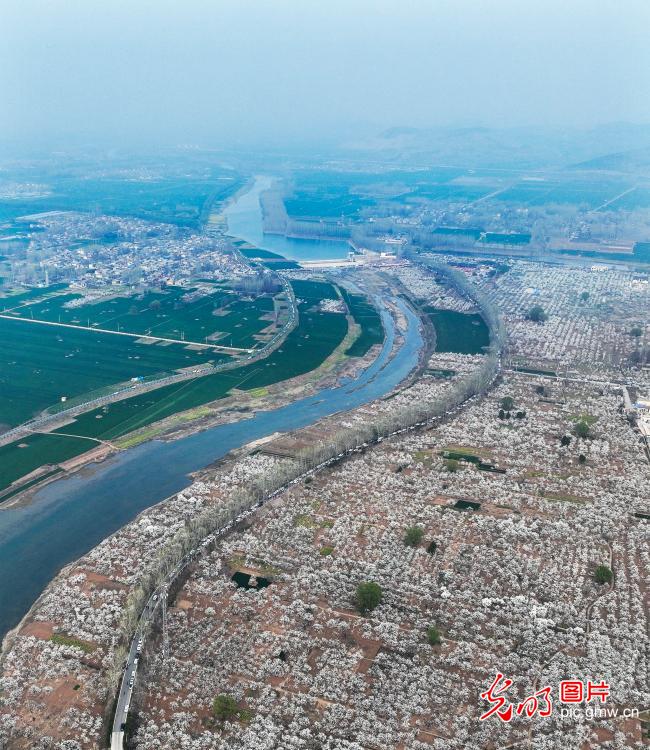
[[636, 161], [508, 148]]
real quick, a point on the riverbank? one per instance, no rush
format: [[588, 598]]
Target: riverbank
[[119, 560], [85, 507], [241, 404], [239, 407]]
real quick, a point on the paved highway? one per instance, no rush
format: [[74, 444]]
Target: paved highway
[[130, 672], [129, 675], [40, 423]]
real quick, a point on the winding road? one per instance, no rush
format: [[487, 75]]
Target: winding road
[[130, 673]]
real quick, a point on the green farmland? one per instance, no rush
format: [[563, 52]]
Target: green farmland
[[174, 197], [307, 346], [332, 194], [20, 298], [268, 258], [221, 316], [461, 333], [588, 193], [455, 192], [313, 291], [366, 315], [511, 238], [20, 458], [317, 335], [331, 204], [40, 364]]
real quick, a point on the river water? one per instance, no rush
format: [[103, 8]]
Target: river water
[[68, 517], [245, 222]]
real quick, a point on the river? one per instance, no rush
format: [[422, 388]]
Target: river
[[245, 222], [70, 516]]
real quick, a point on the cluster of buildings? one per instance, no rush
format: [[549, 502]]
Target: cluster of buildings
[[91, 251]]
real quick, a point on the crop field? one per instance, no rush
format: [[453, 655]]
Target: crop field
[[592, 193], [222, 317], [451, 192], [640, 253], [13, 298], [315, 338], [474, 233], [461, 333], [512, 238], [317, 335], [345, 194], [366, 315], [115, 420], [390, 182], [458, 232], [313, 291], [258, 254], [40, 364], [328, 203], [23, 456]]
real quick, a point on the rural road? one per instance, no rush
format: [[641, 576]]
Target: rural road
[[129, 675], [184, 342], [130, 670], [129, 390]]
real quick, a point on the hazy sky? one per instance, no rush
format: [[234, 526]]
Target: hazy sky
[[201, 70]]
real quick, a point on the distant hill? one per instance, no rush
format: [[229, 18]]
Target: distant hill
[[636, 161], [507, 148]]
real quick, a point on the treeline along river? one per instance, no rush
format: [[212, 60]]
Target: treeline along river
[[68, 517]]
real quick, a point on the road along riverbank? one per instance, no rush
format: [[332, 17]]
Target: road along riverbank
[[70, 516]]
